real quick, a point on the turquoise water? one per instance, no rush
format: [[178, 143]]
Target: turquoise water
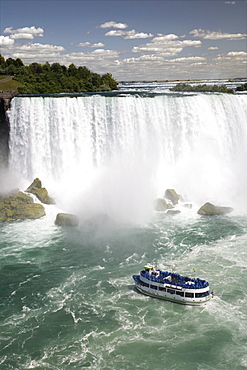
[[68, 300]]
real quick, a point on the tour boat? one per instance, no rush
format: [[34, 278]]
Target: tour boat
[[172, 287]]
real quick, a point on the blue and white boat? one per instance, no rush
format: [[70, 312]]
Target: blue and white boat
[[172, 287]]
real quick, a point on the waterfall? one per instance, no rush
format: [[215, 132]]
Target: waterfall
[[123, 151]]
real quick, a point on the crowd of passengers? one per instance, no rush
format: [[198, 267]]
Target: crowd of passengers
[[173, 278]]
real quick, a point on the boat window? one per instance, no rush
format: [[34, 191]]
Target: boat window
[[162, 289], [145, 284], [200, 295], [171, 291], [180, 293], [189, 295], [153, 286]]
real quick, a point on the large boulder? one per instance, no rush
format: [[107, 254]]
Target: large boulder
[[19, 206], [161, 205], [41, 193], [209, 209], [173, 212], [66, 219], [172, 195]]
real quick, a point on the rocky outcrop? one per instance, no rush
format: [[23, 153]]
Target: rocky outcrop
[[172, 195], [187, 205], [173, 212], [166, 204], [209, 209], [66, 219], [161, 205], [19, 206], [41, 193]]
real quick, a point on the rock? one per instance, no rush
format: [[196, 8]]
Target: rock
[[19, 206], [41, 193], [187, 205], [31, 211], [181, 198], [66, 219], [35, 184], [210, 209], [160, 205], [173, 212], [172, 196]]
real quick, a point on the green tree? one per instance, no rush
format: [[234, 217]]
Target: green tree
[[2, 61], [46, 67], [107, 79], [10, 61], [84, 72], [35, 68], [19, 62], [242, 87], [72, 70], [56, 68]]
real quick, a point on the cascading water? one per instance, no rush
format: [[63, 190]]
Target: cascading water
[[129, 149]]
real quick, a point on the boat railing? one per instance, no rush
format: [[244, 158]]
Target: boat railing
[[176, 279]]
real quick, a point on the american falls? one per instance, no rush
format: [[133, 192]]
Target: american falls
[[118, 153]]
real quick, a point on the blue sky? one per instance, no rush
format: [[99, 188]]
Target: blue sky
[[133, 40]]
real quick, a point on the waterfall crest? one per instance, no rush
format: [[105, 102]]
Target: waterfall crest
[[133, 148]]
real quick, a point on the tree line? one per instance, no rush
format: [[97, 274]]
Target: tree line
[[207, 88], [55, 78], [202, 88]]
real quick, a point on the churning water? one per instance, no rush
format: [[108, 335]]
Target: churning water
[[67, 298]]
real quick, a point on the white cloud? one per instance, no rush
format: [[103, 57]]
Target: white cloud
[[133, 34], [213, 48], [95, 54], [98, 45], [230, 2], [115, 33], [88, 44], [19, 36], [36, 52], [233, 64], [113, 24], [232, 57], [165, 45], [217, 35], [83, 44], [187, 59], [144, 58], [105, 53], [160, 37], [24, 33], [238, 54], [6, 40], [44, 48]]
